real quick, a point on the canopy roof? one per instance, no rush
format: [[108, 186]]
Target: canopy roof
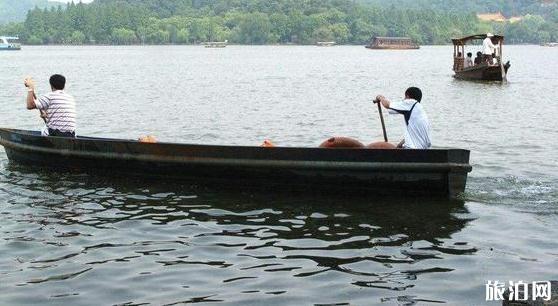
[[392, 38], [464, 40]]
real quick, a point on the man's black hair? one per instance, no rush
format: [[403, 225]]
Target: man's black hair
[[469, 54], [479, 53], [414, 93], [57, 82]]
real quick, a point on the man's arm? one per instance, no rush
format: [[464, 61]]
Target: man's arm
[[30, 93]]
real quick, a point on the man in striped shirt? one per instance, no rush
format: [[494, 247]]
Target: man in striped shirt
[[57, 107]]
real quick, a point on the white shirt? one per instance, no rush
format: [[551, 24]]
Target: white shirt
[[468, 62], [417, 135], [488, 47], [60, 108]]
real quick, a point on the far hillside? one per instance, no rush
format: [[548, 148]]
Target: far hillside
[[508, 8], [16, 10]]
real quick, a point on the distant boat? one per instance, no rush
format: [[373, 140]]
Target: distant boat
[[216, 44], [6, 44], [553, 44], [326, 43], [392, 43], [484, 71]]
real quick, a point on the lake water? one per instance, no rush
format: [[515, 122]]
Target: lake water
[[71, 239]]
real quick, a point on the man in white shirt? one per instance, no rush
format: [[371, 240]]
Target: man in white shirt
[[417, 134], [488, 49], [57, 107]]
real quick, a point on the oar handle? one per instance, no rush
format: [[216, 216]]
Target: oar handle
[[382, 119]]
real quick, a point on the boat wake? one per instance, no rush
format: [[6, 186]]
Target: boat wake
[[528, 195]]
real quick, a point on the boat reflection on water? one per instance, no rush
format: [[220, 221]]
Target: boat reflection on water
[[376, 243], [386, 220]]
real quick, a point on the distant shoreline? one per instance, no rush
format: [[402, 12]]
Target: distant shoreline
[[229, 45]]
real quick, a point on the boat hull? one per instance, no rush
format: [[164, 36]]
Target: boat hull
[[9, 48], [352, 171], [481, 73]]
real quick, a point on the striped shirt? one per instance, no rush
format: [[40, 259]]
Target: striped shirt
[[60, 110]]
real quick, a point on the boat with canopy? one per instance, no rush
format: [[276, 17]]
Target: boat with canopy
[[495, 71]]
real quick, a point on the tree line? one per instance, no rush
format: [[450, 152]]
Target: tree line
[[125, 22]]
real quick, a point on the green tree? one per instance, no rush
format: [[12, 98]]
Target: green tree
[[77, 38], [323, 33], [255, 29], [182, 36], [122, 36]]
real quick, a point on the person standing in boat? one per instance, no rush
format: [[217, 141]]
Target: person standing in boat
[[417, 134], [488, 49], [57, 107], [468, 61]]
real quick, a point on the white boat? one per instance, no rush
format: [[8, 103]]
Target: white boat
[[7, 44], [552, 44]]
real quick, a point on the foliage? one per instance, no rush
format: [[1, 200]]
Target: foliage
[[274, 21]]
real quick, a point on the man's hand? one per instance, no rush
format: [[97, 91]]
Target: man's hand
[[379, 98], [29, 83]]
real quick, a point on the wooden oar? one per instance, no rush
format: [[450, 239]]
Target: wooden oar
[[382, 119], [40, 111]]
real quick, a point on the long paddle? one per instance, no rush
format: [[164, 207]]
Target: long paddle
[[40, 111], [382, 119]]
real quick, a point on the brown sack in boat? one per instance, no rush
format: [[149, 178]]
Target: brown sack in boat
[[381, 145], [147, 139], [267, 144], [341, 142]]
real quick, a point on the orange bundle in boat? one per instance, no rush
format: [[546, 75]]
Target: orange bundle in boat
[[381, 145], [267, 144], [147, 139], [341, 142]]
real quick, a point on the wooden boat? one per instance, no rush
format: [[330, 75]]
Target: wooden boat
[[325, 43], [392, 43], [7, 44], [216, 44], [438, 172], [484, 71]]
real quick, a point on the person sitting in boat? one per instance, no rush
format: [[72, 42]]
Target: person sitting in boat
[[488, 49], [417, 134], [478, 58], [57, 107], [468, 60]]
